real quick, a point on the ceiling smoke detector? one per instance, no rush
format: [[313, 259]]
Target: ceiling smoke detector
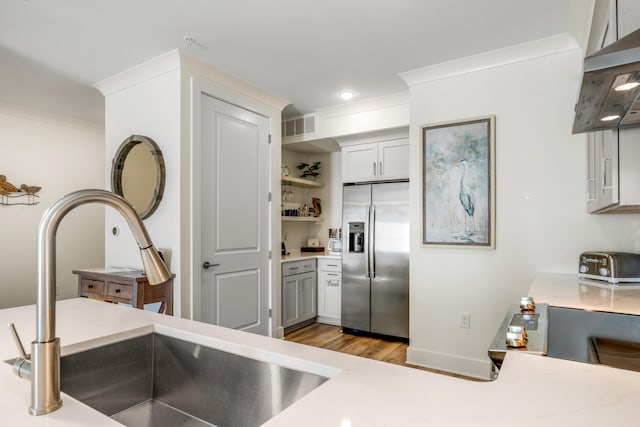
[[189, 40]]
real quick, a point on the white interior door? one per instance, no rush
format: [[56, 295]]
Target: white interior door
[[235, 169]]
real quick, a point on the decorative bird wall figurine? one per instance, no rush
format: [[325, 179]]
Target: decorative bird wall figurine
[[6, 186], [30, 189]]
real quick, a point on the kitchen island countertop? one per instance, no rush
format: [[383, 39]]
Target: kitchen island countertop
[[530, 389], [568, 291]]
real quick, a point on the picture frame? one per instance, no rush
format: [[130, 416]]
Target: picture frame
[[458, 183]]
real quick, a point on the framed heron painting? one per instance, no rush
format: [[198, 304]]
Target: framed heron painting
[[458, 191]]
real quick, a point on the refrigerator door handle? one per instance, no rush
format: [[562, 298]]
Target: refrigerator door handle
[[367, 240], [372, 241]]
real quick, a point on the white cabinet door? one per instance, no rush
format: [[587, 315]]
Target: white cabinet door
[[628, 17], [376, 161], [299, 297], [332, 295], [307, 298], [612, 156], [329, 291], [602, 170], [360, 163], [628, 173], [393, 159], [290, 301], [322, 291]]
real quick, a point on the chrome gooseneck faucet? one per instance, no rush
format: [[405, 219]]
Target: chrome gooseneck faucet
[[43, 368]]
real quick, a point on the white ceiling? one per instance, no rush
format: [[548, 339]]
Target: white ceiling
[[52, 52]]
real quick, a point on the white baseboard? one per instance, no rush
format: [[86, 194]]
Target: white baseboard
[[475, 368], [328, 320], [279, 332]]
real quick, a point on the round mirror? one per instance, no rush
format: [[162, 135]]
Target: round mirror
[[138, 174]]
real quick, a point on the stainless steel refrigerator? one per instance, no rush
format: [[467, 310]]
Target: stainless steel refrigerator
[[375, 258]]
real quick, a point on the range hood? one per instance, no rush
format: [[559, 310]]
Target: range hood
[[604, 71]]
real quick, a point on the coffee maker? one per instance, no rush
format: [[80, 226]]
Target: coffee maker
[[335, 241]]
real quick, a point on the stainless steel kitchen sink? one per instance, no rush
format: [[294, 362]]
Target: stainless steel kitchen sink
[[156, 380]]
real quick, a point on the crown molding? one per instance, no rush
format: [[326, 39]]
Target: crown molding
[[145, 71], [365, 105], [203, 71], [50, 118], [496, 58]]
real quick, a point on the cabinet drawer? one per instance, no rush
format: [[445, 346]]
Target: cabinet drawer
[[334, 265], [297, 267], [92, 286], [119, 291]]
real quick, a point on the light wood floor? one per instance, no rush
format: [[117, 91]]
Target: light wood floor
[[330, 338]]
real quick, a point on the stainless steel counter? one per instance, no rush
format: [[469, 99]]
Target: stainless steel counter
[[535, 323]]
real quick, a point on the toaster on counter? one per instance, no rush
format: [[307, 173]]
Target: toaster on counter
[[611, 267]]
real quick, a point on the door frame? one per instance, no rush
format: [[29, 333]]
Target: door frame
[[198, 89]]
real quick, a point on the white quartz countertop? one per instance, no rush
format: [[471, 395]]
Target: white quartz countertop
[[566, 290], [300, 256], [529, 391]]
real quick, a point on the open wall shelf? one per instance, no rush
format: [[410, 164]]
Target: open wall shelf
[[300, 182], [18, 198], [301, 218]]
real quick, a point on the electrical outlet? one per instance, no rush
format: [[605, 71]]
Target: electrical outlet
[[465, 320], [57, 290]]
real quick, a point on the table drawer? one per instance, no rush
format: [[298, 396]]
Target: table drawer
[[333, 265], [297, 267], [90, 286], [119, 290]]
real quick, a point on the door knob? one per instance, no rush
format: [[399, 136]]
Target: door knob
[[208, 265]]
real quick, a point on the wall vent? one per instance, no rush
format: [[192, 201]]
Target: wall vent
[[302, 125]]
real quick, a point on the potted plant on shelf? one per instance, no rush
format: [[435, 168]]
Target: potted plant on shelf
[[309, 171]]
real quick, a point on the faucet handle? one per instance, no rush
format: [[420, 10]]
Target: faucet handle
[[22, 364], [16, 338]]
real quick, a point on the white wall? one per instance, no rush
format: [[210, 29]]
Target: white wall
[[60, 155], [151, 108], [155, 99], [541, 219]]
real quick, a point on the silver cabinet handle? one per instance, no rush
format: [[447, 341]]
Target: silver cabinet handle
[[374, 168], [207, 265], [380, 169]]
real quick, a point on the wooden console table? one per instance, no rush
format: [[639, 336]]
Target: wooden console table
[[126, 286]]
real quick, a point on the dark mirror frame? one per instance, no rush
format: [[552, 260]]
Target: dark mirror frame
[[118, 168]]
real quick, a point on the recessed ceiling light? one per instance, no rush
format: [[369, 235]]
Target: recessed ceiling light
[[346, 94], [610, 118], [627, 86]]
